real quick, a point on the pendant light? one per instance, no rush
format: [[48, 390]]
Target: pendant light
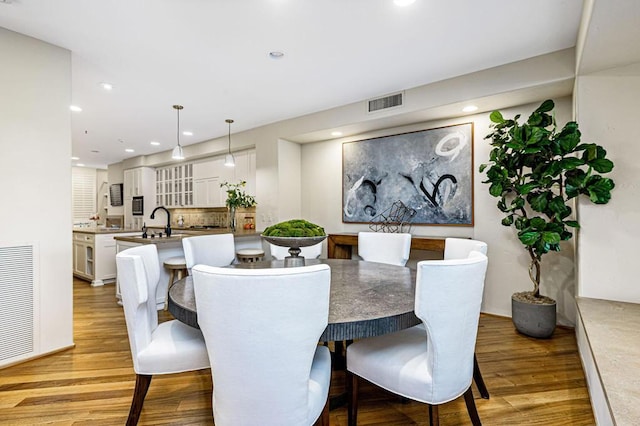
[[229, 161], [177, 153]]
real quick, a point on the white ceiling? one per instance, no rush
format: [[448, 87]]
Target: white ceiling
[[212, 57]]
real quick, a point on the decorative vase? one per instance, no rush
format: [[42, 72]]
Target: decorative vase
[[294, 244], [533, 319], [232, 218]]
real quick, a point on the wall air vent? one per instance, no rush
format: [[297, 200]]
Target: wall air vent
[[17, 289], [391, 101]]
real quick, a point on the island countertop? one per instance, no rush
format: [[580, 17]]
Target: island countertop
[[103, 230], [178, 233]]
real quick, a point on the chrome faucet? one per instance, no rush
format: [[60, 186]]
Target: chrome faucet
[[168, 228]]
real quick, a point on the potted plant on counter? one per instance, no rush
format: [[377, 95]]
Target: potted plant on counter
[[237, 198], [535, 171]]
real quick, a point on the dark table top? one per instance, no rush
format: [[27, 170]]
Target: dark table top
[[366, 299]]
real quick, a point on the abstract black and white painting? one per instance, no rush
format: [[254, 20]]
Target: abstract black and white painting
[[430, 171]]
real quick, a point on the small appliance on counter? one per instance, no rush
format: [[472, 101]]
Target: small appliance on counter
[[115, 222]]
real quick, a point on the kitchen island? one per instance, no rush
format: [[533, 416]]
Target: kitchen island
[[94, 253], [172, 247]]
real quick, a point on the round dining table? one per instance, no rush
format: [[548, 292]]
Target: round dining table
[[366, 298]]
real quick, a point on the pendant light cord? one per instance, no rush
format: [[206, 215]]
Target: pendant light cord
[[178, 129], [178, 108], [229, 121]]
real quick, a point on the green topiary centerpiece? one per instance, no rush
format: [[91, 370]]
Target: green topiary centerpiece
[[294, 234], [294, 228]]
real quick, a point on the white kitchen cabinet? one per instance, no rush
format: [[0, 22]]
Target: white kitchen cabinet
[[207, 173], [207, 192], [207, 177], [139, 182], [245, 170], [174, 185], [94, 256], [207, 168], [83, 256], [105, 258]]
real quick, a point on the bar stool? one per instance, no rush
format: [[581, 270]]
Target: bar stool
[[250, 255], [177, 267]]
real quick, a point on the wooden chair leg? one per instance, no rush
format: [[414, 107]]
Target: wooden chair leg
[[353, 384], [142, 386], [323, 420], [477, 377], [434, 419], [471, 407], [172, 277]]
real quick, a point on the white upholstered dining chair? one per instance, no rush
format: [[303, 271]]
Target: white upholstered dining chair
[[212, 250], [165, 348], [460, 248], [384, 247], [309, 252], [262, 328], [431, 362]]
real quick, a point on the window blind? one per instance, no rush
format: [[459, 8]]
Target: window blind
[[83, 194]]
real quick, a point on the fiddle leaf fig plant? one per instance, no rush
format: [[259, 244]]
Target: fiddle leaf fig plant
[[535, 171]]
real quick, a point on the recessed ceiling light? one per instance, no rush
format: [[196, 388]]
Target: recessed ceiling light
[[187, 133], [129, 150], [276, 54], [80, 164], [336, 133], [469, 108], [75, 108], [154, 143], [403, 3], [106, 86], [75, 158]]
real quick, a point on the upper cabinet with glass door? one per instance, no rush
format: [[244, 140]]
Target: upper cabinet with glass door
[[174, 185]]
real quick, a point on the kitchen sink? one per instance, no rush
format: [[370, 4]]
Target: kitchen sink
[[164, 236]]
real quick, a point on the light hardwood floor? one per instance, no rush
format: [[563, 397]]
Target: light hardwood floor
[[532, 382]]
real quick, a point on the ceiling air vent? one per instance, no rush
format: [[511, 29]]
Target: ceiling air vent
[[391, 101]]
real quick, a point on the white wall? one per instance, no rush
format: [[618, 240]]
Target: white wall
[[289, 178], [35, 171], [508, 266], [607, 109]]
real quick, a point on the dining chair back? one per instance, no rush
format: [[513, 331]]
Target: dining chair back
[[309, 252], [261, 327], [384, 247], [168, 347], [431, 362], [212, 250], [459, 248]]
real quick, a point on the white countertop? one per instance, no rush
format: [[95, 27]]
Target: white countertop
[[613, 331]]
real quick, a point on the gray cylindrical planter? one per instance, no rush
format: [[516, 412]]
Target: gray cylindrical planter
[[533, 319]]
